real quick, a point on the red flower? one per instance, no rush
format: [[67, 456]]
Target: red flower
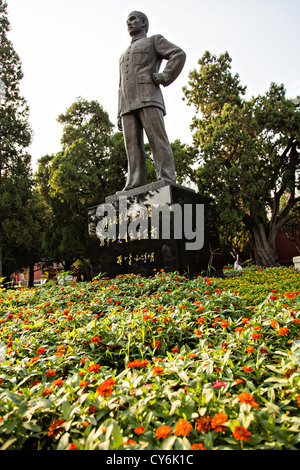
[[218, 420], [198, 446], [158, 370], [247, 398], [96, 339], [94, 368], [55, 427], [283, 331], [106, 388], [182, 427], [40, 350], [203, 423], [72, 446], [139, 430], [256, 335], [163, 431], [57, 382], [241, 434]]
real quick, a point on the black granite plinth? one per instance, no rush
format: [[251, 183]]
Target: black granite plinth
[[157, 226]]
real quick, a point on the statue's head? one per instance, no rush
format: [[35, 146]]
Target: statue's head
[[137, 22]]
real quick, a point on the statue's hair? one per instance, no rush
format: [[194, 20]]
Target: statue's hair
[[142, 17]]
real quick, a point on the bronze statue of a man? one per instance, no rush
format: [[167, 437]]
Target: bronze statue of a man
[[141, 105]]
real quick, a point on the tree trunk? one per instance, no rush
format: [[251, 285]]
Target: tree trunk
[[264, 246], [1, 257], [31, 276]]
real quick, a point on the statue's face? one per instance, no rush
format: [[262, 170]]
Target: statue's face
[[134, 24]]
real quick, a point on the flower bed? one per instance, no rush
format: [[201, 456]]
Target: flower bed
[[159, 363]]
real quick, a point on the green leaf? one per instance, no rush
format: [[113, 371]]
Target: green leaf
[[8, 443], [168, 443], [233, 424], [32, 426], [183, 376]]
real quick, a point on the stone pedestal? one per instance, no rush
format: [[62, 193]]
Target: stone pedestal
[[296, 261], [157, 226]]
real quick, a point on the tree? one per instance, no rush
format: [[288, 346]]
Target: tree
[[15, 137], [91, 165], [185, 157], [249, 152]]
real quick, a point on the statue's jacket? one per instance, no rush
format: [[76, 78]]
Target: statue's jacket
[[143, 58]]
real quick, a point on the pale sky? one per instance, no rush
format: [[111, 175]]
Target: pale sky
[[71, 48]]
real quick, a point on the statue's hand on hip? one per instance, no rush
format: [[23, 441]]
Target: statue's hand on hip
[[157, 78]]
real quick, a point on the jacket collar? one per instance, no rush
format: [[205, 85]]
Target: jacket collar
[[138, 36]]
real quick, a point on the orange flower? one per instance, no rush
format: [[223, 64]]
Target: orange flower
[[198, 446], [156, 344], [182, 427], [83, 383], [273, 323], [106, 388], [95, 339], [158, 370], [247, 398], [203, 423], [201, 320], [40, 350], [33, 361], [47, 391], [298, 400], [55, 427], [247, 368], [192, 355], [50, 373], [263, 351], [250, 349], [241, 434], [57, 383], [218, 420], [283, 331], [256, 335], [92, 409], [290, 295], [239, 330], [224, 323], [138, 363], [72, 446], [139, 430], [163, 431], [94, 368], [130, 442], [200, 308]]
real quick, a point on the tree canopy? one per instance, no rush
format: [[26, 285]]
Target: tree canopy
[[249, 152], [91, 165], [15, 137]]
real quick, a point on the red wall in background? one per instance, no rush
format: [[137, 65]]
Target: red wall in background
[[286, 249]]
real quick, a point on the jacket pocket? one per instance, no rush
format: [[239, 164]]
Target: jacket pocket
[[148, 90], [141, 57]]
